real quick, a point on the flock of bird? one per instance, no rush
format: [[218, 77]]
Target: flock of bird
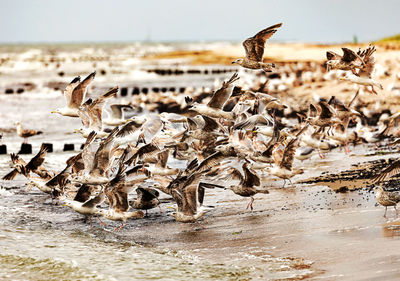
[[236, 139]]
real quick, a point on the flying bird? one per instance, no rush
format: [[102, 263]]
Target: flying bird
[[254, 47]]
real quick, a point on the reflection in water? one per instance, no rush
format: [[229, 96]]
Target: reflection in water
[[391, 229]]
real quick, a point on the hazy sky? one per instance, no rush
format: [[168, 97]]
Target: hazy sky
[[177, 20]]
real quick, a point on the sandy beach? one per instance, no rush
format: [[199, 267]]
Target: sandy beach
[[327, 227]]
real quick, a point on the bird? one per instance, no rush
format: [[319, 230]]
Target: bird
[[74, 95], [147, 198], [387, 198], [116, 115], [349, 61], [214, 107], [25, 133], [34, 165], [117, 191], [91, 111], [254, 47], [83, 204], [390, 171], [283, 165], [364, 75], [248, 183]]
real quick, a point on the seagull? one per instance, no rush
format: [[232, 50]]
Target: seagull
[[217, 102], [83, 204], [387, 198], [34, 165], [364, 75], [91, 114], [254, 47], [147, 198], [161, 168], [283, 166], [74, 95], [117, 191], [349, 61], [25, 133], [116, 115], [247, 183], [189, 196]]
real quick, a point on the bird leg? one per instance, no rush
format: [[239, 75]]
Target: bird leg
[[284, 182], [397, 212], [291, 183], [250, 204], [118, 228], [102, 222], [373, 90], [90, 221], [25, 140], [384, 215]]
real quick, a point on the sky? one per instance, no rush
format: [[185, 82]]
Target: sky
[[323, 21]]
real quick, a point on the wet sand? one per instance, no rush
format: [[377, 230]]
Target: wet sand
[[304, 232]]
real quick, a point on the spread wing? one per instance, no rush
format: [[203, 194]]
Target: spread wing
[[222, 95], [95, 110], [369, 60], [288, 154], [349, 55], [37, 160], [116, 110], [79, 92], [250, 177], [147, 194], [69, 89], [254, 46], [333, 56], [326, 110], [163, 158], [387, 173]]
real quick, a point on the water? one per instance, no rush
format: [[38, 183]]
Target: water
[[56, 255]]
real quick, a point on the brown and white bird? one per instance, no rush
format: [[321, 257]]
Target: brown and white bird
[[217, 102], [74, 95], [147, 198], [364, 75], [248, 182], [25, 133], [349, 61], [387, 198], [117, 191], [254, 47]]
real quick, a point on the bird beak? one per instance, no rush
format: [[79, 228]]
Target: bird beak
[[53, 111]]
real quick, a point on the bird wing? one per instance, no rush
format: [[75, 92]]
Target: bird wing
[[83, 193], [162, 158], [146, 149], [349, 55], [369, 60], [97, 200], [326, 110], [102, 157], [151, 128], [83, 113], [79, 92], [210, 124], [147, 194], [11, 175], [254, 46], [116, 110], [333, 56], [222, 94], [390, 171], [37, 160], [250, 177], [288, 154], [89, 151], [69, 89], [95, 109]]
